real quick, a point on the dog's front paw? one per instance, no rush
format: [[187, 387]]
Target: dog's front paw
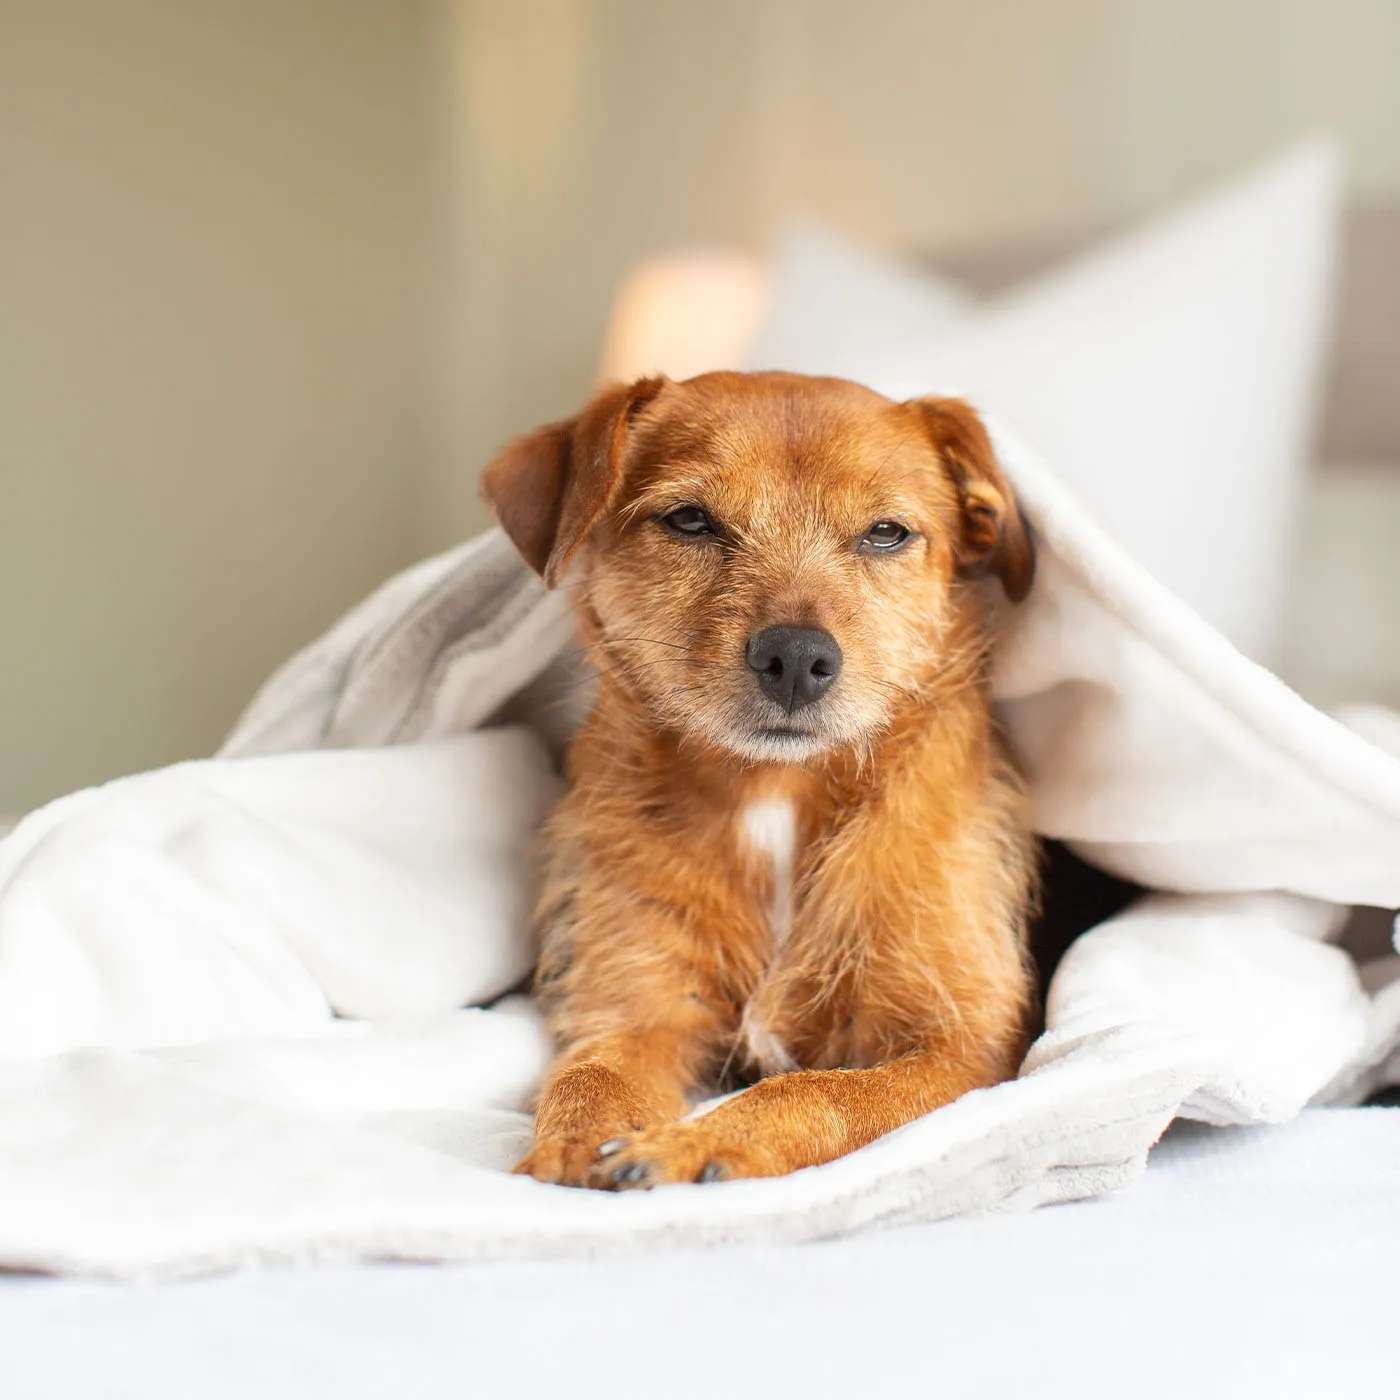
[[686, 1151], [562, 1161]]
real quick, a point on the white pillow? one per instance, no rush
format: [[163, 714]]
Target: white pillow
[[836, 308], [1171, 376]]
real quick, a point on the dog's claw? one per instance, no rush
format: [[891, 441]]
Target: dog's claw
[[606, 1149], [632, 1173], [711, 1171]]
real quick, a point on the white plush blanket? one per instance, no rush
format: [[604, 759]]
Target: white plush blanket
[[231, 992]]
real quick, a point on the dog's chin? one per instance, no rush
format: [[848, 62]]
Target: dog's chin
[[777, 745]]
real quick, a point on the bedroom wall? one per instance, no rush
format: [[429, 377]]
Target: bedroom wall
[[212, 275]]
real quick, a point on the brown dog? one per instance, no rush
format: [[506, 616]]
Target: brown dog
[[795, 846]]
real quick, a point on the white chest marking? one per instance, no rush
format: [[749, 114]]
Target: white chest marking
[[769, 828]]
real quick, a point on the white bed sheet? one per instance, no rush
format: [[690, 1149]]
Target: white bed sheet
[[1249, 1261]]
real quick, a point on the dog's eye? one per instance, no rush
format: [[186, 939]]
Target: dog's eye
[[884, 536], [688, 521]]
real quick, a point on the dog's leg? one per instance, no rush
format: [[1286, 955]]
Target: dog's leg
[[634, 1014], [794, 1120], [605, 1088]]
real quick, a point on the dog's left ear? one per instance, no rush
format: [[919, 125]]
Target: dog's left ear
[[994, 537], [551, 487]]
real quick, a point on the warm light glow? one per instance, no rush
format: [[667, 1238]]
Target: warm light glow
[[685, 314]]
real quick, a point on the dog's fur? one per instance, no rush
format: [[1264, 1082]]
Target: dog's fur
[[831, 901]]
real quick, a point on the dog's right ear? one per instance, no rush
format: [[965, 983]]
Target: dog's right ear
[[551, 487]]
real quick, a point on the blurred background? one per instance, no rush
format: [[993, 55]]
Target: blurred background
[[278, 276]]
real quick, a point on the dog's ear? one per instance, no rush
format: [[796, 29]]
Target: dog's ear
[[550, 488], [994, 536]]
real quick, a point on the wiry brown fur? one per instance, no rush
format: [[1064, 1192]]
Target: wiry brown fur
[[893, 978]]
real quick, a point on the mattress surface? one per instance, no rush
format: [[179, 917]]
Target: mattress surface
[[1249, 1261]]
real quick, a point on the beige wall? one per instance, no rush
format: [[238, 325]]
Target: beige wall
[[266, 305], [212, 228]]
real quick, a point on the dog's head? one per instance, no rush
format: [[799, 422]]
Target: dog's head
[[772, 563]]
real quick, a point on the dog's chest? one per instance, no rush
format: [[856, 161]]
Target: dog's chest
[[769, 835], [766, 831]]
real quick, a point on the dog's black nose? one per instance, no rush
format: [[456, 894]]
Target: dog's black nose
[[794, 665]]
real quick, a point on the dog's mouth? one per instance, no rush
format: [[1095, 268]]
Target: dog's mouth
[[777, 743], [785, 731], [754, 728]]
